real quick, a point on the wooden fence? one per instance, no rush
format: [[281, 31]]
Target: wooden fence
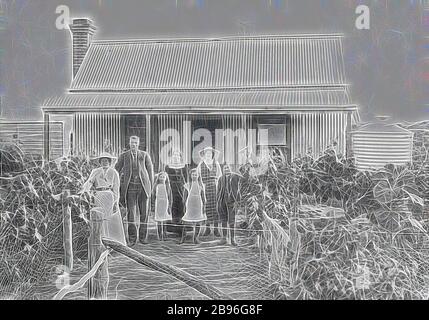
[[99, 248]]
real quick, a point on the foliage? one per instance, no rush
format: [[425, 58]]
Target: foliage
[[31, 221], [372, 246], [11, 158]]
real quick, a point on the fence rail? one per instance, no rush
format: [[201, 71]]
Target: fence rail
[[97, 278], [183, 276]]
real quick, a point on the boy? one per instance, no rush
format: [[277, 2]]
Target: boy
[[227, 196]]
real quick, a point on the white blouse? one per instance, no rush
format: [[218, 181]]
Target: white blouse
[[101, 178]]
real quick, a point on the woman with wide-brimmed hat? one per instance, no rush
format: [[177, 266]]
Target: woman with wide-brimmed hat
[[104, 184], [210, 172]]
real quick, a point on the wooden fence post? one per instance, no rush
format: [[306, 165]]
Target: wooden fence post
[[67, 231], [349, 140], [46, 138], [98, 285]]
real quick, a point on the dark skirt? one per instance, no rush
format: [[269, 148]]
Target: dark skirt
[[177, 182], [178, 206], [211, 204]]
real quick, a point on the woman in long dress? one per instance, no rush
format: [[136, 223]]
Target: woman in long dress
[[162, 197], [195, 200], [104, 183], [178, 175], [210, 172]]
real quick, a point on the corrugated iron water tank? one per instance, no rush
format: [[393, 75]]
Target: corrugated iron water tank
[[380, 143]]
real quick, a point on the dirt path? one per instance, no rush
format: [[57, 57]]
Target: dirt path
[[238, 271], [233, 270]]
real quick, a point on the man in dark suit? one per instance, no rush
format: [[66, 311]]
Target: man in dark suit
[[136, 171], [228, 194]]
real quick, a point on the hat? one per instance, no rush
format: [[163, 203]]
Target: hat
[[104, 155], [208, 149]]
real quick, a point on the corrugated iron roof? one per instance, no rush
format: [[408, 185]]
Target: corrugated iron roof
[[202, 64], [242, 98], [380, 127]]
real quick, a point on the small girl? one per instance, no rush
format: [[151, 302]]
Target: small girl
[[195, 200], [162, 196]]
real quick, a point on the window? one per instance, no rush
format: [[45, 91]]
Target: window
[[272, 134]]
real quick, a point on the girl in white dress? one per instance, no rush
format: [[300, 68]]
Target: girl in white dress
[[162, 196], [195, 200], [103, 184]]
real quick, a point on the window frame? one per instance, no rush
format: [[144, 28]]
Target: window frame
[[269, 144]]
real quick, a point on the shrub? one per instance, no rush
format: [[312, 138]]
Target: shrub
[[31, 221], [372, 249]]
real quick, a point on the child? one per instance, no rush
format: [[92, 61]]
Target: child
[[195, 200], [163, 199], [227, 196]]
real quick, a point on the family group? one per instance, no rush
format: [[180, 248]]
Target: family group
[[179, 198]]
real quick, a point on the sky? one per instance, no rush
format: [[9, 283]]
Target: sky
[[387, 66]]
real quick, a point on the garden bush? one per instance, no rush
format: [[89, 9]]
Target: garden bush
[[31, 240], [376, 248]]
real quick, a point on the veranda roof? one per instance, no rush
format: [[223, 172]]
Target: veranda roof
[[273, 99]]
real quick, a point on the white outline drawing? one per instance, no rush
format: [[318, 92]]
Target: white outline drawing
[[166, 136]]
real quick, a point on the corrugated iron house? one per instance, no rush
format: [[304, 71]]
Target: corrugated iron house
[[293, 86], [379, 143]]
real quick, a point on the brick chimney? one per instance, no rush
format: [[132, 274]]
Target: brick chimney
[[82, 32]]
